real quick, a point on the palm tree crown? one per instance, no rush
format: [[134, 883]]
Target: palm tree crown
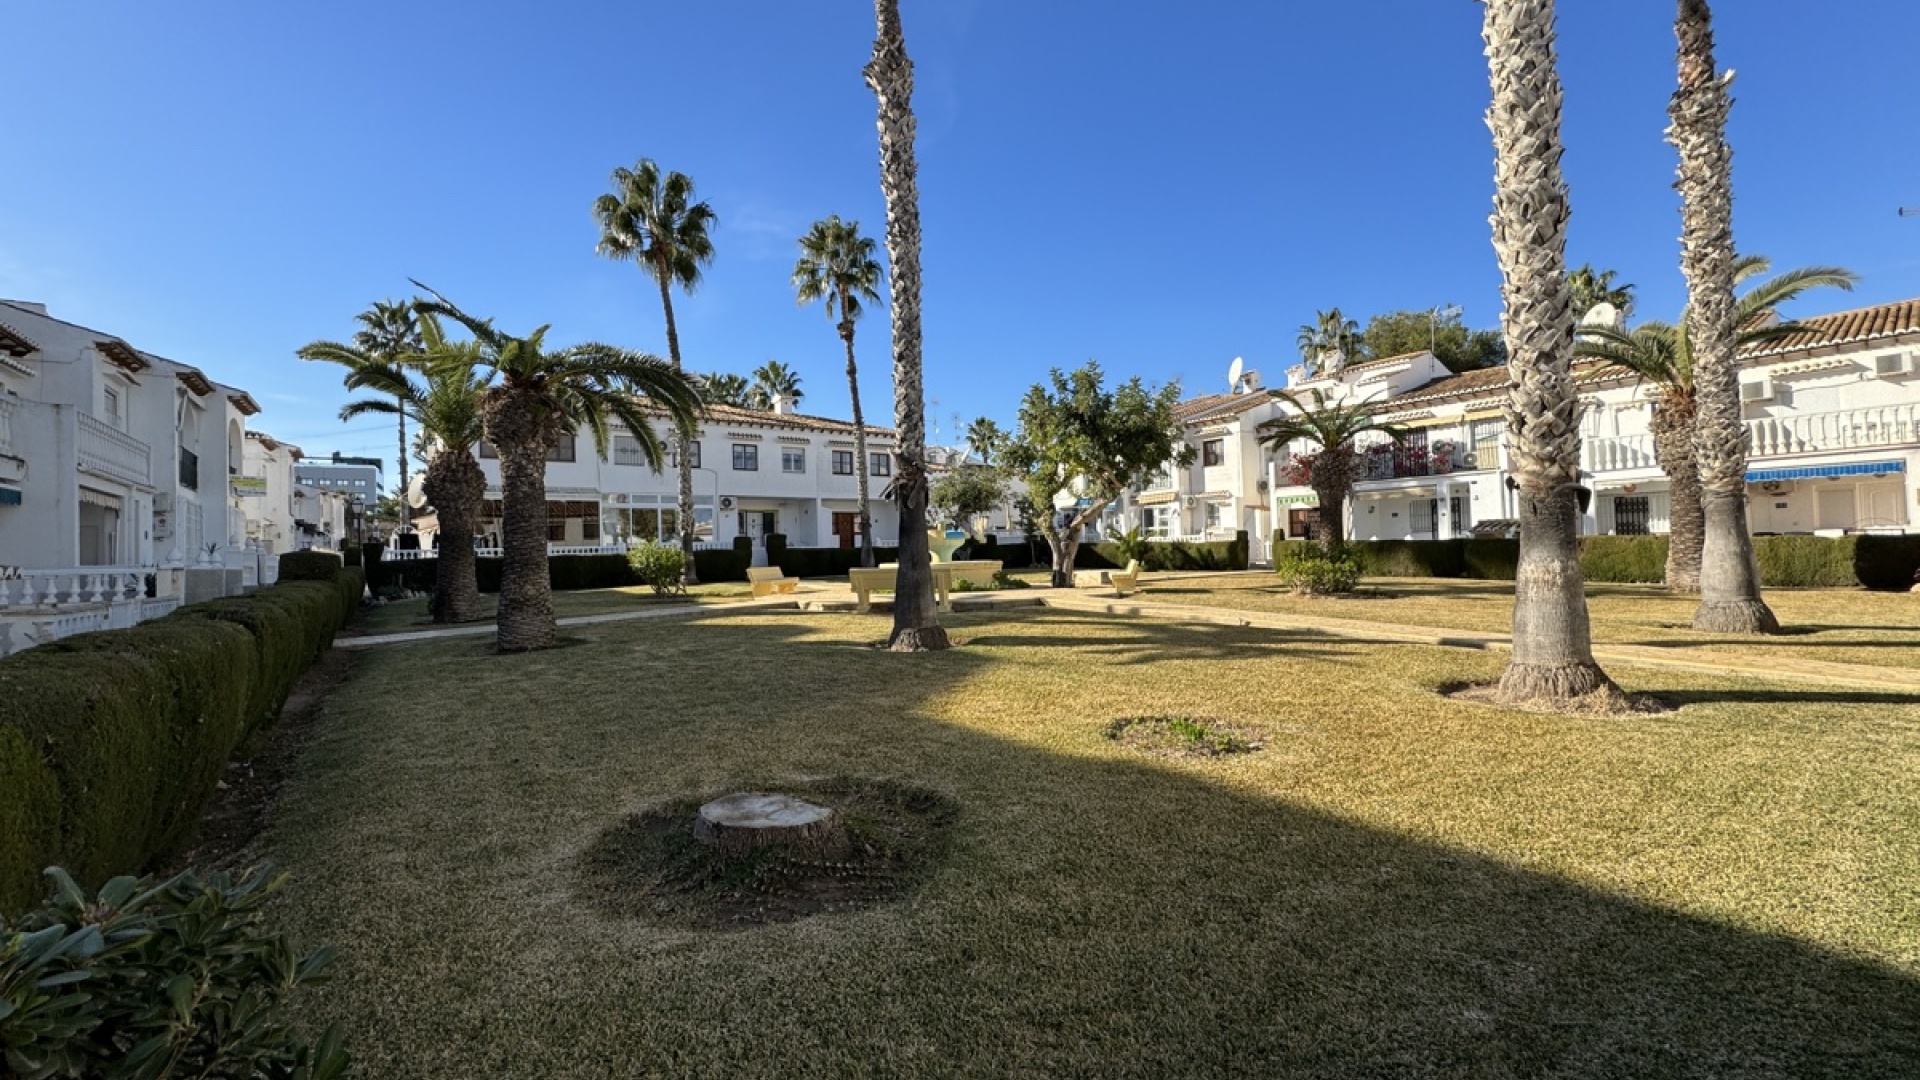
[[1592, 288], [839, 266], [444, 400], [1330, 334], [774, 379], [985, 438], [1333, 426], [725, 388], [654, 222]]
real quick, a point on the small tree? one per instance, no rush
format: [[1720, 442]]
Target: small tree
[[964, 493], [1080, 436], [1329, 471]]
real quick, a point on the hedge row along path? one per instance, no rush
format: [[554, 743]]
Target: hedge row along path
[[829, 596]]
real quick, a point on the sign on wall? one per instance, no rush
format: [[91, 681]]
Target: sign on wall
[[248, 487]]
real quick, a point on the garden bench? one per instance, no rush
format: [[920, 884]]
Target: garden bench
[[767, 580], [1126, 581], [868, 580]]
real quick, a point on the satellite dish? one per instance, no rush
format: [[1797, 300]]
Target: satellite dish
[[417, 491], [1233, 373]]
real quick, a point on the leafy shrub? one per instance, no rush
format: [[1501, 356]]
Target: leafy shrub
[[727, 565], [1004, 580], [1315, 569], [1490, 558], [1168, 555], [1804, 562], [309, 566], [1411, 558], [661, 566], [827, 562], [181, 979], [1624, 559], [1886, 562]]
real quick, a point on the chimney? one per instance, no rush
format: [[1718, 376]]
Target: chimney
[[782, 404], [1249, 382]]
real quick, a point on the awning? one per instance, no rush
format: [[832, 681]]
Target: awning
[[1156, 498], [9, 496], [1810, 472], [99, 498]]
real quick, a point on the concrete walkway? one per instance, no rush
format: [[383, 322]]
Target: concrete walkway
[[828, 597]]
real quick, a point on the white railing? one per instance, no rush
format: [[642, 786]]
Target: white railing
[[46, 589], [1619, 454], [7, 409], [1845, 429], [107, 450]]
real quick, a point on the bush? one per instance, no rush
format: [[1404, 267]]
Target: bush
[[723, 565], [350, 554], [776, 543], [1490, 558], [309, 566], [662, 566], [1624, 559], [1801, 562], [1316, 569], [828, 562], [1411, 558], [1886, 562], [1168, 555], [174, 980]]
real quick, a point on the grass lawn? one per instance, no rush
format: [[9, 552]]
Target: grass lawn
[[1396, 885], [1848, 626], [403, 615]]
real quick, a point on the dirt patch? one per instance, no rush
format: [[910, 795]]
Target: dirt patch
[[1616, 703], [242, 807], [1185, 736], [649, 866]]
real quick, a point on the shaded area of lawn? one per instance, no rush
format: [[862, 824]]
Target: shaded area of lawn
[[401, 615], [1397, 885]]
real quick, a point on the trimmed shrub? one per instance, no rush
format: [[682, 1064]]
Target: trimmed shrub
[[660, 566], [1315, 569], [350, 554], [1802, 562], [1490, 559], [828, 562], [728, 565], [1411, 558], [376, 571], [1168, 555], [776, 543], [309, 566], [1886, 562], [1624, 559]]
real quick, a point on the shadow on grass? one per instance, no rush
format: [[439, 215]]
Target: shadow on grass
[[1103, 916]]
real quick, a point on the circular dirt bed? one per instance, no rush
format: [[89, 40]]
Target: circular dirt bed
[[1620, 704], [1185, 736], [651, 865]]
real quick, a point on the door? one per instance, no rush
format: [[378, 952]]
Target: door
[[846, 528], [1303, 523], [755, 525], [1422, 513], [1883, 504], [1834, 504]]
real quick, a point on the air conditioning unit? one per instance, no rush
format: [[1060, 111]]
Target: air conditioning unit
[[1761, 390], [726, 502], [1469, 461], [1777, 487], [1192, 501], [1892, 365]]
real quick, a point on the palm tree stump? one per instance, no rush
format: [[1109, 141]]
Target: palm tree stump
[[741, 824]]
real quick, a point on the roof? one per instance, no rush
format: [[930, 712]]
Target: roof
[[195, 380], [122, 355], [13, 343], [1841, 328], [1218, 406], [733, 414], [1492, 382], [1379, 361]]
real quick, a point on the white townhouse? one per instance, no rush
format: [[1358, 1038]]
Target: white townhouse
[[754, 473], [281, 512], [115, 468], [1225, 489]]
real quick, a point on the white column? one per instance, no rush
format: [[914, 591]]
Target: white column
[[1442, 510]]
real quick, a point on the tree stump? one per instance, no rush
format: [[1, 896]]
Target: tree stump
[[738, 825]]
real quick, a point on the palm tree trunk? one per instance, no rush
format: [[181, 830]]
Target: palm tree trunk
[[859, 448], [681, 440], [455, 486], [406, 511], [1331, 478], [522, 426], [1730, 600], [890, 74], [1552, 640], [1673, 449]]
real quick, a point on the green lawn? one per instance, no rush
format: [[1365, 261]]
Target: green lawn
[[1397, 885], [403, 615]]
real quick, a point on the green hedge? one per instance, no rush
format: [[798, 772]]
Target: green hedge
[[1886, 562], [1170, 555], [111, 743], [1624, 559]]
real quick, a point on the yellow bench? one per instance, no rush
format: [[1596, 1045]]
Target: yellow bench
[[1128, 580], [869, 580], [767, 580]]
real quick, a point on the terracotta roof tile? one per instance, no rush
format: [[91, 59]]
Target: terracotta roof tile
[[1489, 382], [1844, 328], [733, 414], [1216, 406]]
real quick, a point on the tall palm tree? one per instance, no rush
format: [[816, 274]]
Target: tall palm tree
[[1333, 427], [985, 439], [1330, 336], [1730, 600], [1662, 354], [725, 388], [837, 265], [1592, 288], [652, 220], [445, 402], [774, 379], [389, 331], [534, 395], [1552, 638], [890, 75]]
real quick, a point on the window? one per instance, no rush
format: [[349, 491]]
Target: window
[[693, 454], [1630, 515], [1486, 443], [590, 530], [879, 465], [562, 450], [793, 460], [746, 458], [1213, 452], [627, 451], [557, 530], [1213, 515], [843, 463], [113, 406]]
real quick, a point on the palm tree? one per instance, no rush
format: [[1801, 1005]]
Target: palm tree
[[1661, 354], [724, 388], [890, 75], [985, 439], [445, 403], [534, 395], [1331, 335], [653, 221], [1333, 428], [837, 265], [1552, 639], [774, 379], [1592, 288], [388, 332], [1730, 600]]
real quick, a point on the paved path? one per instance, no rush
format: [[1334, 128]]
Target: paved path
[[825, 596]]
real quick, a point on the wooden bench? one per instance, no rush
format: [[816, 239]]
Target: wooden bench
[[869, 580], [1126, 581], [767, 580]]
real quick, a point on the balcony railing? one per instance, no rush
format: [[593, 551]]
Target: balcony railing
[[189, 469], [1845, 429], [45, 589], [112, 452], [1620, 454], [7, 409]]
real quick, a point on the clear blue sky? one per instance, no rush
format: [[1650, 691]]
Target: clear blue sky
[[222, 182]]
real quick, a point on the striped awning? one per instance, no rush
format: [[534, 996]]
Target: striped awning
[[1811, 472], [1155, 498]]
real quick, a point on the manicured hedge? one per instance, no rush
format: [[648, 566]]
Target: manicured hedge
[[1169, 555], [111, 743], [1624, 559], [1886, 562], [566, 572]]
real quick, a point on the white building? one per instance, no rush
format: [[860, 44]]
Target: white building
[[281, 513], [754, 473], [114, 470]]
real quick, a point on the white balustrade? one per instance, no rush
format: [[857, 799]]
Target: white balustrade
[[43, 589], [1620, 454], [1845, 429], [108, 450], [7, 409]]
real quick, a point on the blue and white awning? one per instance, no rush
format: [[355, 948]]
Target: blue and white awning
[[1810, 472]]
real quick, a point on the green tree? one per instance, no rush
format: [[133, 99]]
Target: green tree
[[389, 332], [962, 494], [1078, 436], [652, 221], [1330, 342], [889, 74], [1662, 354], [534, 395], [985, 439], [725, 388], [1552, 657], [1332, 428], [770, 380], [1591, 288], [1397, 333], [837, 265]]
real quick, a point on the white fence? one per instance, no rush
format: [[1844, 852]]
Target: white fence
[[45, 589], [112, 452]]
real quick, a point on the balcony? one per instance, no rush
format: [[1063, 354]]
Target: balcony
[[1623, 454], [1396, 461], [7, 409], [1845, 429], [109, 451]]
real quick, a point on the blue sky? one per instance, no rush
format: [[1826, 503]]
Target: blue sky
[[222, 182]]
